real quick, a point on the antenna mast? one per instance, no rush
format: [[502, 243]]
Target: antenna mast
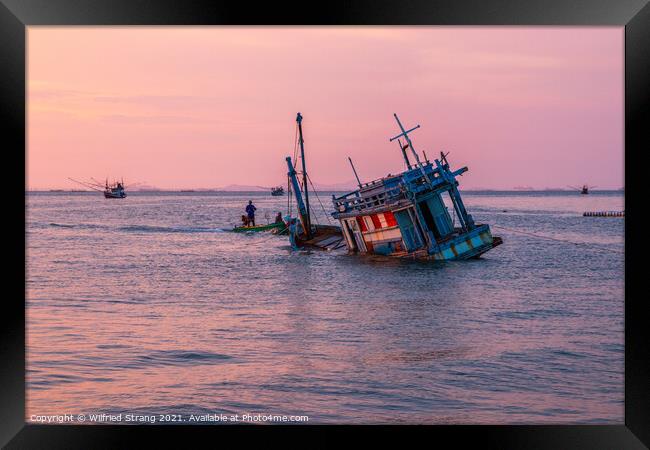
[[405, 133], [355, 172], [406, 157]]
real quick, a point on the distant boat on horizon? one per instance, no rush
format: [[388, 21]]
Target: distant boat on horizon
[[584, 190], [113, 190]]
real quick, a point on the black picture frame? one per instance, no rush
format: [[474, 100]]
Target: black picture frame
[[634, 15]]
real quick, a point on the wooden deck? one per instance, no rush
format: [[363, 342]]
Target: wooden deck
[[326, 237]]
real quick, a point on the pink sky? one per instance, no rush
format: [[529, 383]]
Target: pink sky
[[193, 107]]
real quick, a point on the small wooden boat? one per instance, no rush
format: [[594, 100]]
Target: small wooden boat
[[257, 228], [302, 232]]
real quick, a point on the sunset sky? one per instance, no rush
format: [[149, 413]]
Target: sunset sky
[[205, 107]]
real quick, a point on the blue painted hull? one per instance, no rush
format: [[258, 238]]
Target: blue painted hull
[[466, 246], [114, 195]]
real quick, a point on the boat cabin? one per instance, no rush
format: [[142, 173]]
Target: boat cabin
[[409, 214]]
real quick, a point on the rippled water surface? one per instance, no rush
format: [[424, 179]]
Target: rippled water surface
[[147, 305]]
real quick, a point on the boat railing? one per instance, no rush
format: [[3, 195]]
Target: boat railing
[[412, 182], [345, 196], [358, 202]]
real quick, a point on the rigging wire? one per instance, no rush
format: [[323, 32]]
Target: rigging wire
[[295, 148], [539, 236], [88, 185], [318, 198]]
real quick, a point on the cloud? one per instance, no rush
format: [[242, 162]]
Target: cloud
[[158, 101], [54, 94], [152, 120]]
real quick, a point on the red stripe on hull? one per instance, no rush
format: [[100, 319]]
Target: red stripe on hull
[[375, 221], [390, 219]]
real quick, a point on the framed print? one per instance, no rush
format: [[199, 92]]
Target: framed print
[[416, 217]]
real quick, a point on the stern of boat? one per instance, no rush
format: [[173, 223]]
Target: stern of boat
[[467, 245]]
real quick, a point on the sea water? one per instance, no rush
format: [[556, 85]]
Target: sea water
[[148, 306]]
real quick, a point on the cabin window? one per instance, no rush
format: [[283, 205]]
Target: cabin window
[[451, 210], [440, 214], [428, 219]]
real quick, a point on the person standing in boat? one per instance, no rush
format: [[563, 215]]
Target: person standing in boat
[[278, 218], [250, 210]]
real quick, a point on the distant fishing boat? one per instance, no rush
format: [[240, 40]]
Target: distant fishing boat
[[302, 231], [584, 190], [404, 215], [277, 191], [114, 190]]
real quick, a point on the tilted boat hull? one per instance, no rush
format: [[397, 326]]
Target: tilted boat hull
[[402, 238], [463, 248]]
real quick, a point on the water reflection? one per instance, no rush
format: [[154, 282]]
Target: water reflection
[[147, 305]]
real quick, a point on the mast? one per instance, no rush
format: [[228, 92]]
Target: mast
[[405, 133], [403, 149], [355, 172], [307, 223], [302, 211]]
